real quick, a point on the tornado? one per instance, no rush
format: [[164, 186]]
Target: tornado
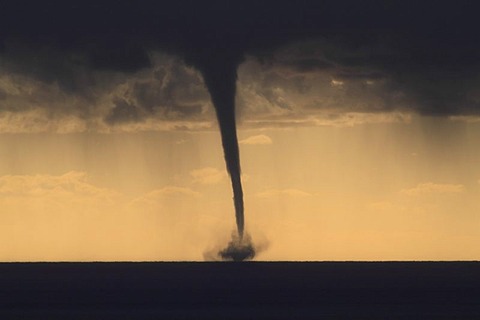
[[218, 66], [220, 76]]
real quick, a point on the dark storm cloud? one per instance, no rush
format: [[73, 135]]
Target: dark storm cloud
[[308, 65], [287, 96], [123, 111], [171, 92], [120, 58], [436, 70], [402, 71], [167, 90], [427, 52], [359, 74], [47, 64], [3, 94]]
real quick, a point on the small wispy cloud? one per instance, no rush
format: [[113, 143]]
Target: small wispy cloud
[[169, 192], [468, 119], [165, 197], [336, 83], [69, 188], [175, 191], [271, 193], [260, 139], [208, 176], [321, 119], [433, 188]]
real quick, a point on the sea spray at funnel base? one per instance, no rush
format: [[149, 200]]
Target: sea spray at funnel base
[[235, 250], [238, 249]]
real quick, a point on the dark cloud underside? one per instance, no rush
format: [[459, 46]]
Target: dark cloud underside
[[381, 56]]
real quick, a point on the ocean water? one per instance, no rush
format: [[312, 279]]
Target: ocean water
[[247, 290]]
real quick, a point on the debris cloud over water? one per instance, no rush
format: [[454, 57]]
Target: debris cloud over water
[[238, 249]]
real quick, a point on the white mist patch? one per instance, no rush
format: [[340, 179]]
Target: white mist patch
[[257, 140]]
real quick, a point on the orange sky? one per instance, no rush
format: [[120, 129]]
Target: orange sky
[[379, 190], [132, 168]]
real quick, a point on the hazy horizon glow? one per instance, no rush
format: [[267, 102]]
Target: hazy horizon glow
[[374, 191]]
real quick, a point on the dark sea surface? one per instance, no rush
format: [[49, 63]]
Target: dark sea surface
[[251, 290]]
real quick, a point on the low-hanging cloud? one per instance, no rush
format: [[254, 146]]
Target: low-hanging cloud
[[208, 176], [274, 193], [430, 188], [73, 187], [135, 72], [163, 95], [260, 139], [377, 78], [168, 192]]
